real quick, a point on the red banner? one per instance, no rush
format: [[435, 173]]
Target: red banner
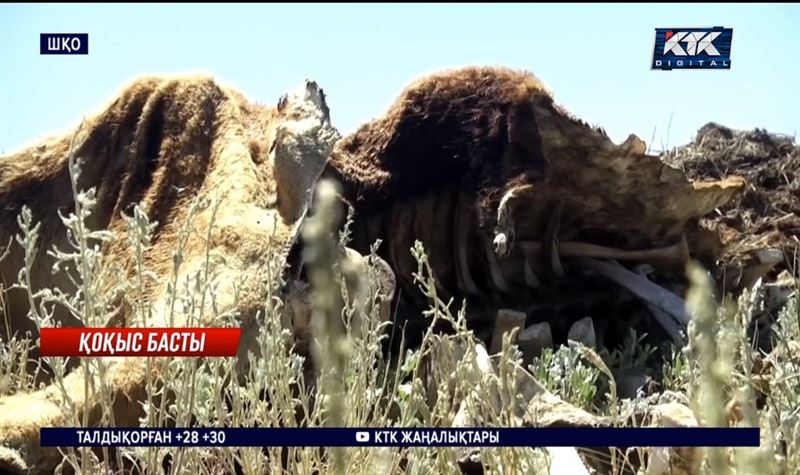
[[140, 341]]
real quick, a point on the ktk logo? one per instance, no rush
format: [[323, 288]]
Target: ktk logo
[[692, 48], [696, 42]]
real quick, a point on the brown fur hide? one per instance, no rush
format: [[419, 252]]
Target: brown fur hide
[[472, 127], [163, 142], [456, 145]]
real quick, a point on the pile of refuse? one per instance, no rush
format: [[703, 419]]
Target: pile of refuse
[[763, 226]]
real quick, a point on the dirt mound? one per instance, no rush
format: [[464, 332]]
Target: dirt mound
[[767, 215]]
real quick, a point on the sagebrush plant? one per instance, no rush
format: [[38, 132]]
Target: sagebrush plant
[[782, 417], [14, 375], [448, 380], [674, 373], [82, 262], [633, 354], [564, 371]]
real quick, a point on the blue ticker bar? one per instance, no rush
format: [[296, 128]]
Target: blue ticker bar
[[402, 437]]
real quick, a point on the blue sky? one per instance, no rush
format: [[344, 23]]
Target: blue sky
[[596, 59]]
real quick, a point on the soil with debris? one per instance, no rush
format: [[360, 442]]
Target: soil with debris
[[768, 213]]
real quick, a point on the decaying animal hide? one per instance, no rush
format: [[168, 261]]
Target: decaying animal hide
[[497, 181], [163, 142]]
